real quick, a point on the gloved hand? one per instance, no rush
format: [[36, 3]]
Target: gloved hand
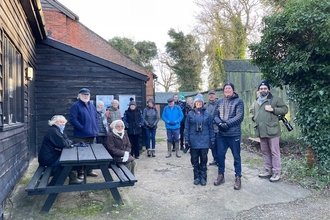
[[223, 127], [212, 145], [126, 156], [186, 147], [171, 123], [150, 125]]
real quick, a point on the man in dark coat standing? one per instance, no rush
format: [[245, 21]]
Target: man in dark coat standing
[[228, 115], [83, 118]]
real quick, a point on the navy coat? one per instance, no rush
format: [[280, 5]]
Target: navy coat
[[203, 137]]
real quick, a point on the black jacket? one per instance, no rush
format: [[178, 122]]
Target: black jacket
[[53, 139], [133, 120]]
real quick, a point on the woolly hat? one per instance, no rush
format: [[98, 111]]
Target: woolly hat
[[229, 84], [84, 91], [264, 83], [199, 97], [132, 103], [151, 101]]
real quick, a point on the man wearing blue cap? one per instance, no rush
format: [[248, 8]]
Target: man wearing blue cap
[[83, 118]]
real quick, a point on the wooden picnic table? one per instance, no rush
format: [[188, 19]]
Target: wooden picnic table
[[94, 156]]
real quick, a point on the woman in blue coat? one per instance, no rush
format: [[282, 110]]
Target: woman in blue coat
[[199, 137]]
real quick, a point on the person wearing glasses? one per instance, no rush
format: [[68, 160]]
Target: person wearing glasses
[[265, 111], [119, 146]]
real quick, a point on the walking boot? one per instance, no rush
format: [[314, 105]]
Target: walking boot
[[153, 153], [220, 179], [73, 178], [169, 147], [203, 175], [266, 174], [197, 179], [149, 153], [238, 184], [177, 149]]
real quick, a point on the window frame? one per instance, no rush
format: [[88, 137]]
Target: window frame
[[11, 84]]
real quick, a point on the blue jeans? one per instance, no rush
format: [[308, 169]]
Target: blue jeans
[[151, 136], [234, 143], [173, 135]]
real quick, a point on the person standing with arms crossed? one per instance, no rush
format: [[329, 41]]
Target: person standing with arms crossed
[[228, 115], [172, 116], [83, 118], [265, 111]]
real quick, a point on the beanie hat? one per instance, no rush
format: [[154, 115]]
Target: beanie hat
[[151, 101], [199, 97], [229, 84], [264, 83], [132, 103]]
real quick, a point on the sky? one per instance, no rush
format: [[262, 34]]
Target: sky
[[139, 20]]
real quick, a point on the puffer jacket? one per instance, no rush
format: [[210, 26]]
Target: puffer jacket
[[114, 114], [150, 116], [266, 123], [231, 111], [133, 121], [199, 132], [117, 147]]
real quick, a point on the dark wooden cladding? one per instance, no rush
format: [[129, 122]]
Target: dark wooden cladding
[[61, 74], [15, 141]]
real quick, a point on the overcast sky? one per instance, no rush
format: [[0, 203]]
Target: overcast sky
[[138, 20]]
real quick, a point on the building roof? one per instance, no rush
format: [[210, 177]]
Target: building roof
[[161, 97], [95, 59]]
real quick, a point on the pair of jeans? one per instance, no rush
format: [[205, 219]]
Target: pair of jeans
[[151, 137], [234, 143]]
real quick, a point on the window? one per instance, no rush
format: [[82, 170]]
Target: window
[[11, 85]]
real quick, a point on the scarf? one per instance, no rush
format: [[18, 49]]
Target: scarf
[[115, 131]]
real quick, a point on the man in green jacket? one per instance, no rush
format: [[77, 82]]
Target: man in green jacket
[[265, 111]]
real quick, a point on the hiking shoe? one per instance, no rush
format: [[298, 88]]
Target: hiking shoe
[[203, 182], [197, 181], [238, 183], [220, 179], [275, 177], [265, 175]]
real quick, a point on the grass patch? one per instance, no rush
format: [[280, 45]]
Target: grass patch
[[25, 181], [297, 170], [160, 139], [253, 162]]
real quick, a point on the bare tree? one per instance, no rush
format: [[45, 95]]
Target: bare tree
[[225, 27], [166, 76]]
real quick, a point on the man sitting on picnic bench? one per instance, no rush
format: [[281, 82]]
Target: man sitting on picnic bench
[[118, 145], [53, 143]]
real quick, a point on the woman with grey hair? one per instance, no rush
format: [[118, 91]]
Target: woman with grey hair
[[102, 123], [53, 143], [113, 113]]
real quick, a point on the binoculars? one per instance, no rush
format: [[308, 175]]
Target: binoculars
[[199, 127], [286, 122]]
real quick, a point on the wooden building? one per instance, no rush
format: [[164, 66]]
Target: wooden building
[[40, 77]]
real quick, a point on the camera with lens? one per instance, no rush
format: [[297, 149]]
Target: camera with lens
[[286, 122], [199, 127]]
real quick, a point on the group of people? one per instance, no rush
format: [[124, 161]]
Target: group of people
[[190, 125], [216, 125]]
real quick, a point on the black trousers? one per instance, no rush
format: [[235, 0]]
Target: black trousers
[[134, 139], [198, 160]]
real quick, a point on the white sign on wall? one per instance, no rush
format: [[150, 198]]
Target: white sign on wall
[[107, 99], [124, 103]]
